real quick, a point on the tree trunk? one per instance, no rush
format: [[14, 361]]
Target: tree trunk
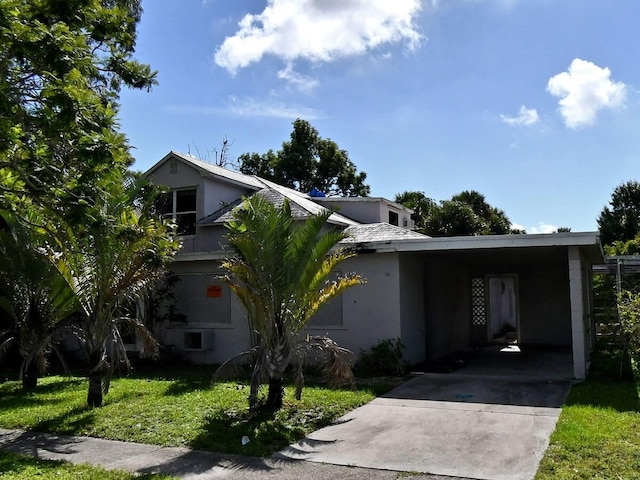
[[30, 376], [94, 396], [275, 395]]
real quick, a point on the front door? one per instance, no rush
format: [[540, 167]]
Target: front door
[[503, 312]]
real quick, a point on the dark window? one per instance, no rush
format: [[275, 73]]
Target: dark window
[[180, 205], [393, 218]]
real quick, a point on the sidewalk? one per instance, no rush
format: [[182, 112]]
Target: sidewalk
[[181, 462]]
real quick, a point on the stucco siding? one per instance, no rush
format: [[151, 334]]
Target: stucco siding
[[371, 312], [183, 175], [544, 305], [412, 308], [447, 310], [226, 326]]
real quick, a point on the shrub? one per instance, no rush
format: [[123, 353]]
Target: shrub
[[385, 357]]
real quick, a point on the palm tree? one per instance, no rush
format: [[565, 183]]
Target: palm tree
[[281, 274], [110, 266], [34, 296]]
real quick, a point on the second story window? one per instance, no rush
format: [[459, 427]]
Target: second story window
[[393, 218], [180, 205]]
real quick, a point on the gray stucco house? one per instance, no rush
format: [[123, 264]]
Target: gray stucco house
[[438, 295]]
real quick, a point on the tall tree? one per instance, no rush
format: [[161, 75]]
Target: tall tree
[[281, 273], [620, 220], [63, 63], [308, 161], [466, 213], [110, 266]]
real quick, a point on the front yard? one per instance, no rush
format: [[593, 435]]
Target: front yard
[[186, 411], [597, 435]]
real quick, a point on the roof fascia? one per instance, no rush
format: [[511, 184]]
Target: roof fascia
[[484, 242]]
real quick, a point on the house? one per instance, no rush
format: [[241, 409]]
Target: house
[[438, 295]]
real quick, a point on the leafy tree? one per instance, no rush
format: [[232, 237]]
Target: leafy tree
[[281, 274], [466, 213], [110, 266], [63, 63], [308, 161], [34, 296], [620, 220], [421, 205]]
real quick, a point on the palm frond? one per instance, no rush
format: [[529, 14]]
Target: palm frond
[[233, 367], [6, 340], [324, 354]]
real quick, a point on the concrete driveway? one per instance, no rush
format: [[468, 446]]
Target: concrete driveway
[[493, 427]]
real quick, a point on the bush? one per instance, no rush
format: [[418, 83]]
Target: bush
[[384, 358]]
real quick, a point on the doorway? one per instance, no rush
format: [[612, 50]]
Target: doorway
[[503, 311]]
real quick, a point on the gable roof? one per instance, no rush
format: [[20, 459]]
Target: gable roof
[[211, 170]]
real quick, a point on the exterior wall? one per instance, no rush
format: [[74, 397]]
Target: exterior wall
[[544, 305], [371, 312], [210, 238], [364, 212], [212, 194], [447, 307], [185, 176], [367, 210], [229, 335], [412, 312]]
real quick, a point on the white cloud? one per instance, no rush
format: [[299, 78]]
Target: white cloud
[[304, 83], [526, 117], [318, 31], [543, 228], [584, 90], [250, 107]]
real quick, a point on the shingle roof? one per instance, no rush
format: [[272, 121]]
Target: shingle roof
[[379, 232], [300, 208]]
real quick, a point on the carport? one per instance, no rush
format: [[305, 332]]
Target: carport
[[533, 292]]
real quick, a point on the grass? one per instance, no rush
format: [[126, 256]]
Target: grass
[[598, 433], [22, 467], [185, 411]]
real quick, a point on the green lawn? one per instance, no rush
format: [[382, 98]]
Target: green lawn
[[597, 435], [187, 411], [21, 467]]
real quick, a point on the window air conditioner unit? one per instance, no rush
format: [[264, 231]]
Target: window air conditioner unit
[[198, 340]]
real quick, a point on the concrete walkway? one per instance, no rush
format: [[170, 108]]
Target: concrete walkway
[[181, 462]]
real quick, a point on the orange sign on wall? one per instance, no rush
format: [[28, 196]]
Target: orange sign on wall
[[214, 291]]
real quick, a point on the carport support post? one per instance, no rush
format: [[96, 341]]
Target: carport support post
[[576, 295]]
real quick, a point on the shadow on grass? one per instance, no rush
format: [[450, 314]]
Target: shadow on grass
[[14, 397], [15, 387], [71, 422], [239, 431]]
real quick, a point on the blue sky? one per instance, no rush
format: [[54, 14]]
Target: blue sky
[[533, 103]]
